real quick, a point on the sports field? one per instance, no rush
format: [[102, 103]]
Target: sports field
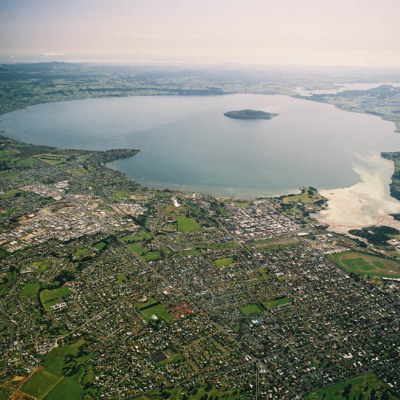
[[352, 389], [366, 264]]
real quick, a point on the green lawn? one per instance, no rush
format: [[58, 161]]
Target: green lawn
[[242, 203], [354, 387], [151, 301], [223, 262], [120, 278], [100, 245], [202, 392], [40, 265], [140, 237], [186, 224], [250, 309], [67, 389], [54, 361], [49, 382], [41, 383], [152, 256], [80, 252], [173, 358], [121, 194], [29, 290], [138, 249], [365, 264], [153, 307], [12, 193], [186, 253], [276, 302], [50, 297]]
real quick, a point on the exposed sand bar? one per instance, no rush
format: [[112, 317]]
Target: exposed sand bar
[[365, 203]]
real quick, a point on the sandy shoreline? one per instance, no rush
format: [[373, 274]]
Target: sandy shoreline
[[366, 203]]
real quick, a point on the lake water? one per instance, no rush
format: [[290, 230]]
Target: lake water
[[187, 142]]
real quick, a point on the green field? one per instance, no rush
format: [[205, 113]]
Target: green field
[[276, 302], [41, 265], [307, 196], [365, 264], [53, 159], [223, 262], [120, 278], [186, 224], [273, 244], [138, 249], [140, 237], [29, 290], [121, 194], [242, 203], [67, 389], [50, 297], [203, 392], [80, 252], [41, 384], [153, 307], [187, 253], [99, 245], [250, 309], [354, 387], [144, 253], [152, 256], [49, 382], [54, 361]]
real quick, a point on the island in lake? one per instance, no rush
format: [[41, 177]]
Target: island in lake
[[250, 114]]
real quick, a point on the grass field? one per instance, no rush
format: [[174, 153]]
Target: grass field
[[152, 256], [308, 196], [66, 389], [41, 265], [273, 244], [276, 302], [223, 262], [144, 253], [140, 237], [138, 249], [250, 309], [41, 384], [187, 253], [12, 193], [242, 203], [153, 307], [121, 194], [202, 392], [120, 278], [357, 385], [100, 245], [50, 297], [186, 224], [365, 264], [54, 361], [81, 252], [29, 290], [49, 382], [53, 159]]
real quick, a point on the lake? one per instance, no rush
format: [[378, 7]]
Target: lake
[[187, 143]]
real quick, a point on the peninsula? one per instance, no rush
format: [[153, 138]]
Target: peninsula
[[249, 114]]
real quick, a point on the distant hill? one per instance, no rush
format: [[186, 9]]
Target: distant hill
[[250, 114]]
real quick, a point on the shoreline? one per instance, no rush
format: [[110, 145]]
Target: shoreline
[[334, 197]]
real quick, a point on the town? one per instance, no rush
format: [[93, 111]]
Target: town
[[111, 290]]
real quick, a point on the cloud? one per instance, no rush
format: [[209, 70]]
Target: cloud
[[51, 54]]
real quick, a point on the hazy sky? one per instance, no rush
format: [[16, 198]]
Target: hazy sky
[[306, 32]]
